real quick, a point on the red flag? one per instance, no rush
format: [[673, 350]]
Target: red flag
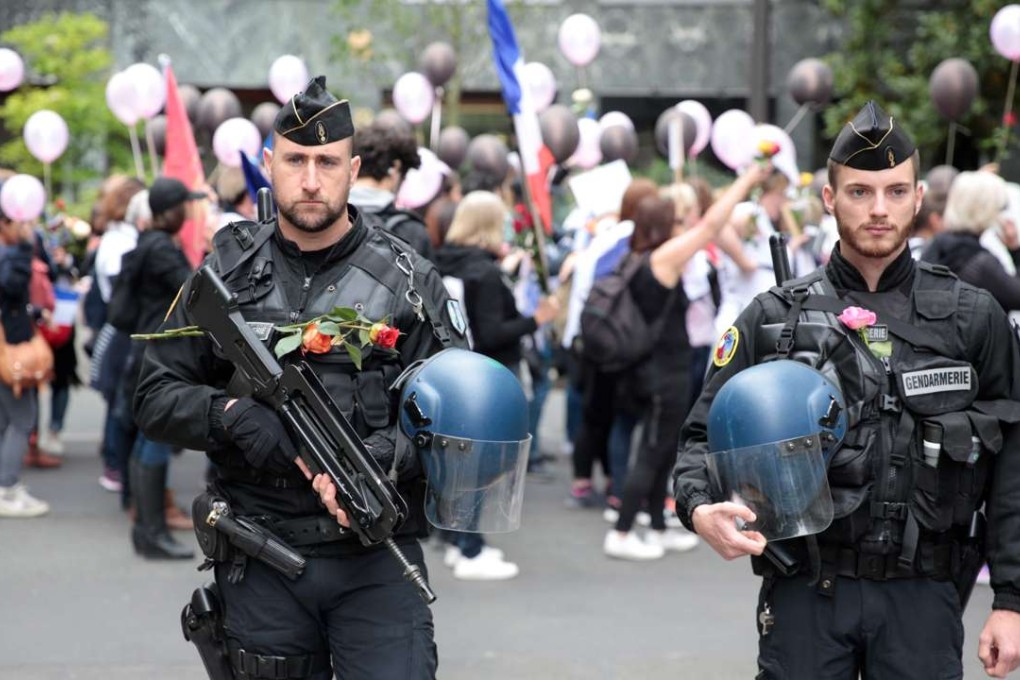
[[181, 161]]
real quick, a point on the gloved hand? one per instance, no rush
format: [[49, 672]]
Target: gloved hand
[[260, 434]]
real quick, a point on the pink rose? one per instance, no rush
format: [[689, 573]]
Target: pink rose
[[856, 318]]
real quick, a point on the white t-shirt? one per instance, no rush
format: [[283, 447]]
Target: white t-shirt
[[119, 238], [584, 273], [738, 288]]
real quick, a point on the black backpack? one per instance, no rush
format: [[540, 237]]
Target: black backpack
[[614, 333], [123, 311]]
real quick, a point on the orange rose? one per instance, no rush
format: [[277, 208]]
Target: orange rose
[[315, 342], [384, 336], [767, 148]]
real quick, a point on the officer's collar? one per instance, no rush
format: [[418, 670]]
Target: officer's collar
[[844, 276], [339, 250]]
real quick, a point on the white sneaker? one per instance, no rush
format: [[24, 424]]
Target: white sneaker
[[487, 565], [451, 556], [677, 540], [610, 515], [629, 546], [15, 501], [672, 521], [50, 442]]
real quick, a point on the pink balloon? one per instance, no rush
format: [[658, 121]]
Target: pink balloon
[[234, 136], [121, 98], [612, 118], [702, 118], [579, 39], [589, 150], [423, 183], [413, 97], [12, 69], [46, 135], [287, 76], [150, 89], [1005, 32], [541, 84], [731, 138], [22, 198]]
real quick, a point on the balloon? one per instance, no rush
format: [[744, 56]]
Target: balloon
[[216, 106], [689, 130], [560, 133], [389, 118], [541, 84], [190, 97], [619, 143], [488, 153], [438, 62], [413, 96], [786, 160], [264, 116], [1005, 32], [233, 136], [22, 198], [953, 86], [150, 89], [810, 82], [589, 151], [120, 97], [156, 127], [287, 76], [702, 120], [12, 69], [453, 145], [46, 135], [423, 183], [940, 179], [731, 138], [615, 118], [579, 39]]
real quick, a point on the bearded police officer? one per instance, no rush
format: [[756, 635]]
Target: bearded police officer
[[928, 373], [351, 609]]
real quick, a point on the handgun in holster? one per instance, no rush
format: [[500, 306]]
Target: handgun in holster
[[972, 558], [202, 625]]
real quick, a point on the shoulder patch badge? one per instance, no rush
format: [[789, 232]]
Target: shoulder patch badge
[[726, 347], [456, 317]]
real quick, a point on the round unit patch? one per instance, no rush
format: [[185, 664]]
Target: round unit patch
[[726, 347]]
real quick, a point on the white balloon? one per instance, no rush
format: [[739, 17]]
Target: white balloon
[[22, 198], [612, 118], [413, 97], [12, 69], [287, 76], [785, 161], [423, 183], [46, 135], [589, 153], [731, 138], [702, 118], [1005, 32], [150, 89], [580, 39], [541, 84], [234, 136], [121, 98]]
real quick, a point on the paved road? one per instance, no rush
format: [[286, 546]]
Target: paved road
[[76, 603]]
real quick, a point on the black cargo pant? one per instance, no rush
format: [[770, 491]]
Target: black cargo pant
[[358, 609], [902, 629]]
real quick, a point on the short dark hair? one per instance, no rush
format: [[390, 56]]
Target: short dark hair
[[381, 148], [653, 223]]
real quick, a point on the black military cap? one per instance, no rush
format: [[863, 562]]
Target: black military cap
[[315, 116], [872, 141]]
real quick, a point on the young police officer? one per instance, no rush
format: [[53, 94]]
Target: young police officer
[[351, 608], [873, 594]]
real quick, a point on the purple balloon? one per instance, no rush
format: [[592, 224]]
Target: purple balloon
[[559, 131], [953, 87], [157, 127], [688, 127], [190, 97], [453, 146], [810, 82], [438, 62], [619, 143], [216, 106], [264, 116], [489, 154]]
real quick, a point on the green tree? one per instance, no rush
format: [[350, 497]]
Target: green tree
[[889, 52], [67, 65]]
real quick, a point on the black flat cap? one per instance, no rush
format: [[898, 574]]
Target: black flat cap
[[315, 116], [872, 141]]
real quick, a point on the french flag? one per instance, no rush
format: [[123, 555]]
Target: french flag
[[535, 157]]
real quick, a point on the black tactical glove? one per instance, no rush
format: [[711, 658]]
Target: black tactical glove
[[260, 434]]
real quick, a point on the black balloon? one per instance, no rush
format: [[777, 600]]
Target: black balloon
[[488, 153], [953, 86], [217, 105], [688, 127], [438, 63], [619, 142], [156, 127], [264, 115], [453, 145], [392, 120], [559, 131], [190, 96], [940, 179], [810, 82]]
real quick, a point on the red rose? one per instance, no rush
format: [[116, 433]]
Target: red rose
[[1009, 119], [315, 342], [384, 336]]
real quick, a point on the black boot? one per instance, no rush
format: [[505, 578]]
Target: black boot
[[150, 535]]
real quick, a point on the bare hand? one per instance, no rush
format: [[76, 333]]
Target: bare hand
[[548, 308], [999, 643], [1008, 234], [327, 494], [717, 524]]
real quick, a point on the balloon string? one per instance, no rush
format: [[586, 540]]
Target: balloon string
[[47, 182], [437, 117], [797, 117], [951, 145], [1009, 109], [136, 151], [151, 144]]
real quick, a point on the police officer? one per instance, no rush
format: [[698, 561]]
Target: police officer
[[930, 383], [351, 608]]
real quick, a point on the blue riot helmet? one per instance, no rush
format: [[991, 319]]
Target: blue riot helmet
[[772, 430], [467, 417]]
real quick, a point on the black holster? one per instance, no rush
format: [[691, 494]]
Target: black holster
[[972, 558], [202, 625]]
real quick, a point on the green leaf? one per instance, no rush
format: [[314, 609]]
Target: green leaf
[[355, 353], [344, 313], [329, 328], [287, 344], [364, 337]]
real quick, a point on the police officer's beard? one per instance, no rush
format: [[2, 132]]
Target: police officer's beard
[[858, 239], [313, 225]]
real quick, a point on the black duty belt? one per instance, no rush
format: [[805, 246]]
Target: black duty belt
[[279, 667], [937, 563], [261, 478], [310, 530]]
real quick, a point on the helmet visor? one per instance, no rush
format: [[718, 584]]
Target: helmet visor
[[475, 486], [784, 483]]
